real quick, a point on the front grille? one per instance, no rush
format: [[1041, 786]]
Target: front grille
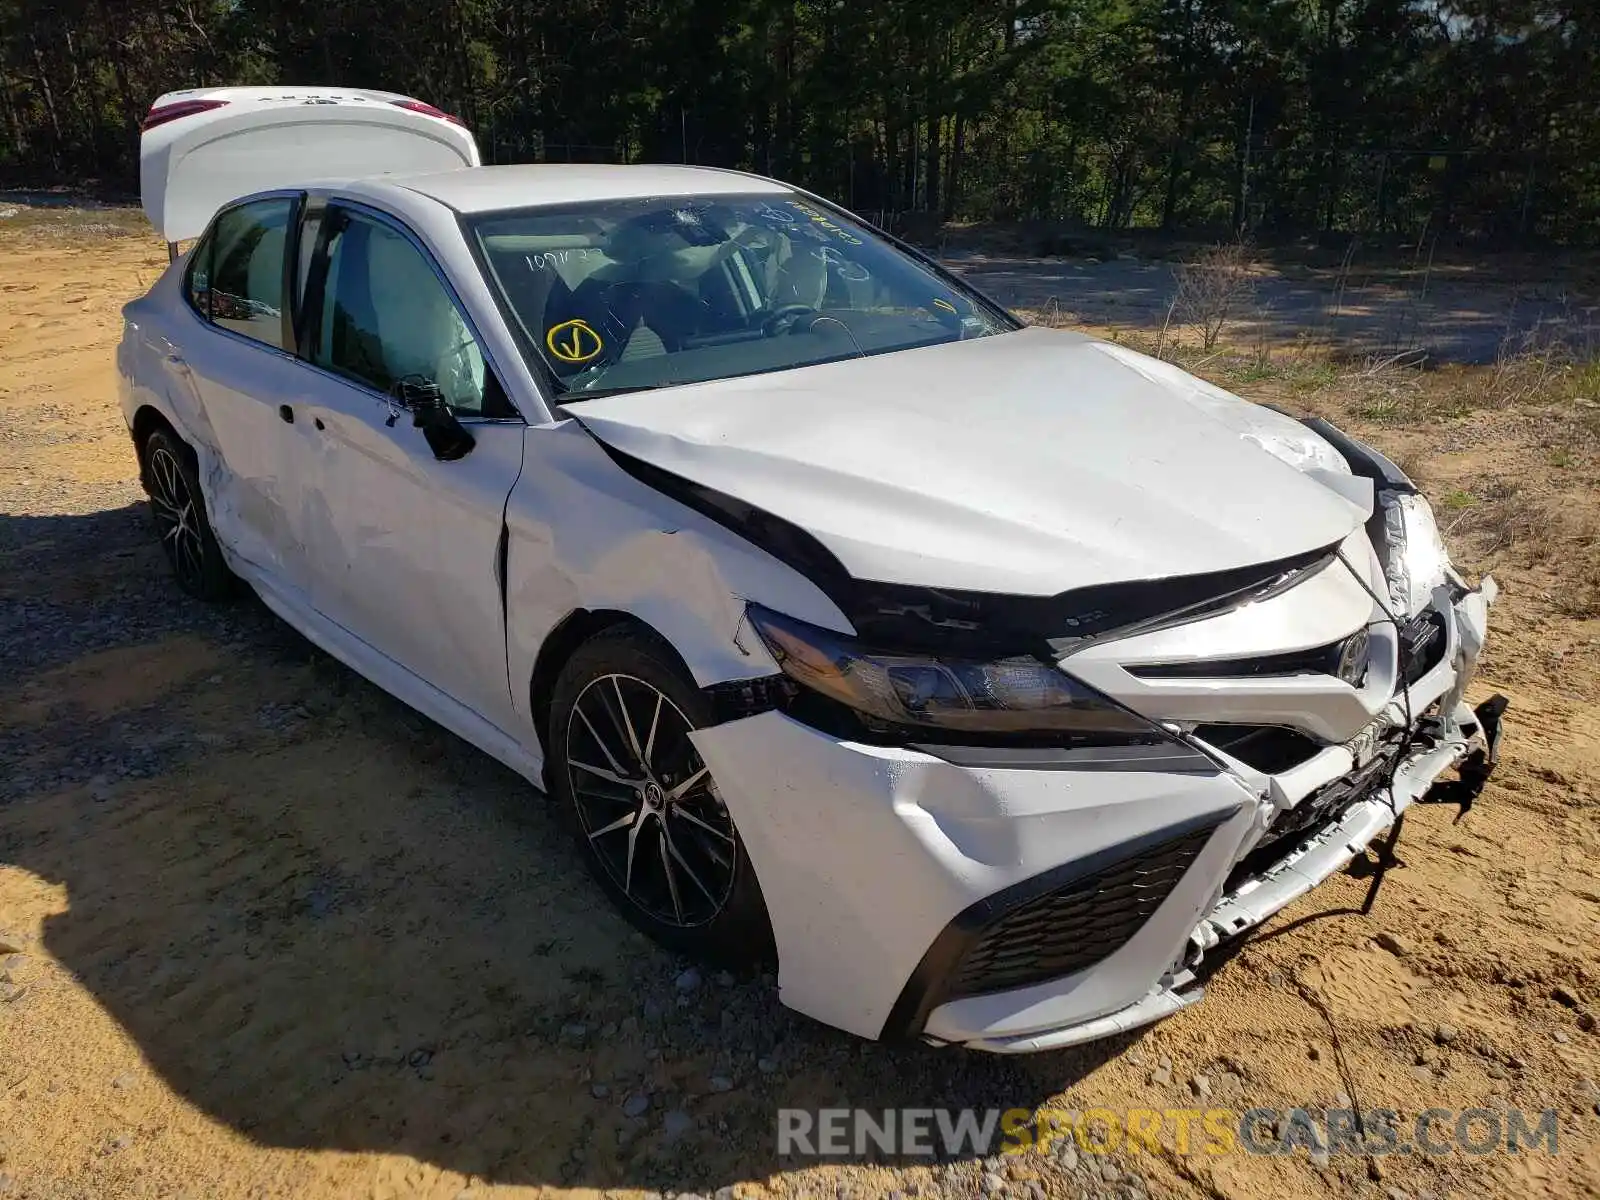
[[1319, 660], [1074, 927], [1268, 748]]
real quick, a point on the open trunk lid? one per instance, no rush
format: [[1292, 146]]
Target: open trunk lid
[[205, 147]]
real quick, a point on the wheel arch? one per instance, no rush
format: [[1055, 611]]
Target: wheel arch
[[576, 629], [146, 421]]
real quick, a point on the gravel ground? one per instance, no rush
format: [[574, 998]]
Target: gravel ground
[[665, 1068], [263, 931], [146, 733]]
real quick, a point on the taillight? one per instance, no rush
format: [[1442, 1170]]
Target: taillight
[[428, 110], [183, 108]]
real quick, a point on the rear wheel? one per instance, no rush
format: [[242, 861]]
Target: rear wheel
[[178, 509], [654, 830]]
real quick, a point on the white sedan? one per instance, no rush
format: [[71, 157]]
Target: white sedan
[[982, 677]]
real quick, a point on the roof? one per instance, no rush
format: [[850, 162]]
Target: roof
[[485, 189]]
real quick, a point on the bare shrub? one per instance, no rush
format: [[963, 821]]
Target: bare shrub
[[1216, 286], [1525, 368], [1051, 316]]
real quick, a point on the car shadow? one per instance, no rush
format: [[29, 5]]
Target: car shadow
[[330, 925]]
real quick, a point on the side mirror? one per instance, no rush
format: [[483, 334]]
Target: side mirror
[[446, 436]]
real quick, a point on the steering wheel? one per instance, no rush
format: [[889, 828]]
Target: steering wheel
[[782, 319]]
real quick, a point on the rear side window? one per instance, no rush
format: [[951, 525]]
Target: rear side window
[[237, 279]]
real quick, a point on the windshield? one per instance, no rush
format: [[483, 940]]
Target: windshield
[[622, 295]]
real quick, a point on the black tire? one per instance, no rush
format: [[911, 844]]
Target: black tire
[[691, 886], [178, 510]]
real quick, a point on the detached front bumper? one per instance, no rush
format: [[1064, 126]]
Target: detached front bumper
[[1015, 908]]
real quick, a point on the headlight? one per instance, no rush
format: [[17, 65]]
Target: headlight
[[1353, 658], [1413, 554], [1015, 698], [1415, 561]]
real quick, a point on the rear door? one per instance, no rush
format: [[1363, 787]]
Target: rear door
[[239, 359], [407, 549]]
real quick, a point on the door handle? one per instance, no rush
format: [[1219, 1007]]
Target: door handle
[[286, 413]]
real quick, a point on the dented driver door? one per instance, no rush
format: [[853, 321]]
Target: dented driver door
[[239, 361], [406, 548]]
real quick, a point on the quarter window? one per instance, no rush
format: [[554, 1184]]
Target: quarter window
[[239, 281], [197, 287], [386, 317]]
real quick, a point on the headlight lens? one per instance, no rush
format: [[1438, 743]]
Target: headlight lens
[[1012, 696], [1353, 658], [1416, 561]]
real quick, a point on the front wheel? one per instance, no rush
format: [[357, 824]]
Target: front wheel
[[179, 512], [654, 830]]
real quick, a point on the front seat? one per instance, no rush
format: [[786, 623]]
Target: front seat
[[638, 300], [802, 278], [421, 330]]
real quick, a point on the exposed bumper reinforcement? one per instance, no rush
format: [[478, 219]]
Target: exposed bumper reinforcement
[[1472, 746], [1329, 850]]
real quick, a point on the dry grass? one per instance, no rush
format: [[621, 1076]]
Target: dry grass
[[1554, 362], [24, 220], [1530, 521]]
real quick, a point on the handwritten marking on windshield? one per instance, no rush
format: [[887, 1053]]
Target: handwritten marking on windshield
[[549, 259], [843, 267], [818, 217], [580, 345]]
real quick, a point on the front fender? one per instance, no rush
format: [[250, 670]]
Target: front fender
[[584, 534]]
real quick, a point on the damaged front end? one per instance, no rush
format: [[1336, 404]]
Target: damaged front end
[[1309, 820], [1311, 827], [1316, 815], [1325, 787], [1017, 820]]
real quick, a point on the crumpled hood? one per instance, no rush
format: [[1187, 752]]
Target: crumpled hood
[[1027, 463]]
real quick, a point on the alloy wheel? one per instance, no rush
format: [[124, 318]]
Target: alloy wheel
[[178, 518], [646, 802]]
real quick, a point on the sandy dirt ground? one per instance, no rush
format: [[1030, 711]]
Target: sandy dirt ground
[[263, 932]]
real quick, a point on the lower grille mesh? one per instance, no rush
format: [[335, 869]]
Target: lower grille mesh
[[1067, 930]]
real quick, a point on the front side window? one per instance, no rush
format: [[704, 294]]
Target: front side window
[[385, 316], [238, 282], [630, 294]]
